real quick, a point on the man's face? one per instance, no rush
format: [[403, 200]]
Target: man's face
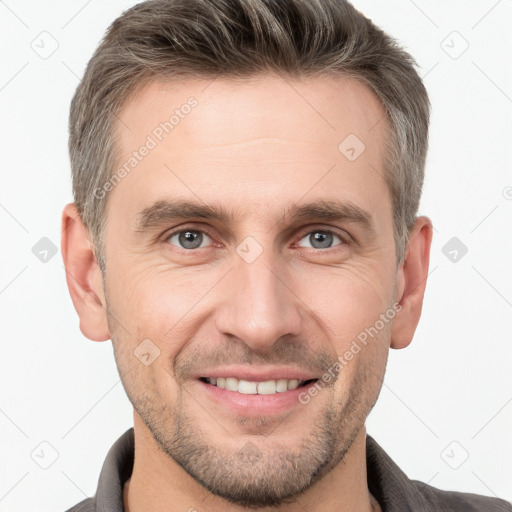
[[275, 290]]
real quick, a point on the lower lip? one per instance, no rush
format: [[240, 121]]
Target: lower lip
[[255, 405]]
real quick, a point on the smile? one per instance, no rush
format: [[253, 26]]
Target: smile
[[268, 387]]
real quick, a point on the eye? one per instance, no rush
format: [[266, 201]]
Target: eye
[[188, 239], [321, 239]]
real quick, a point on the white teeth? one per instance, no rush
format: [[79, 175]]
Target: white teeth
[[268, 387], [247, 388], [293, 383], [231, 384], [282, 385]]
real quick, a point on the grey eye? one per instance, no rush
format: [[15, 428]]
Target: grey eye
[[188, 239], [320, 239]]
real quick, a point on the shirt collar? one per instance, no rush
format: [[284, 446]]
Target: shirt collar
[[117, 468], [391, 487]]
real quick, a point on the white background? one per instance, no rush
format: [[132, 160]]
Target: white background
[[453, 384]]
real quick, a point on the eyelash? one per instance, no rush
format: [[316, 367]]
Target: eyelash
[[344, 239]]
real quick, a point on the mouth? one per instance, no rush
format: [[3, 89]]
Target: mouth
[[253, 391], [246, 387]]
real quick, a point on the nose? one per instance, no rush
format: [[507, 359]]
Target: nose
[[259, 305]]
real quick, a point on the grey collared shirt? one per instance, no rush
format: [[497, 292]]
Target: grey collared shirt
[[386, 481]]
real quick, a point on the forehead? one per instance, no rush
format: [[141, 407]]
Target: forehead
[[236, 111], [262, 139]]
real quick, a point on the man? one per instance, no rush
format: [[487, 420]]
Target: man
[[247, 175]]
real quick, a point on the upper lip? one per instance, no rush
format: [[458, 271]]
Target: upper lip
[[258, 374]]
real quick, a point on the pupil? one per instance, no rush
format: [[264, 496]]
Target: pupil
[[321, 239], [190, 239]]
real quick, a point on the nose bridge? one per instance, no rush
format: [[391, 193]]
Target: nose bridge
[[259, 308]]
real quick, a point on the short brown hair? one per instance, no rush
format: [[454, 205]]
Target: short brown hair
[[174, 39]]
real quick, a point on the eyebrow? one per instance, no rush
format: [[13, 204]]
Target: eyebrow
[[165, 211]]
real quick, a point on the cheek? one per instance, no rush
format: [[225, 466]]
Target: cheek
[[362, 363], [157, 297], [347, 301], [165, 306]]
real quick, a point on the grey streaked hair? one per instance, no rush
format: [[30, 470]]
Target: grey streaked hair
[[175, 39]]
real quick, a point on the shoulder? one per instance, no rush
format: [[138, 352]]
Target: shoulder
[[86, 505], [397, 493], [452, 501]]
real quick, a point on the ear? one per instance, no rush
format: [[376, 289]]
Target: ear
[[83, 276], [412, 280]]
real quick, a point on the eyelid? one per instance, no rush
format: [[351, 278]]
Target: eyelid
[[186, 227], [306, 230], [342, 234]]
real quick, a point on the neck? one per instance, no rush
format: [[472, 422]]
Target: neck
[[159, 484]]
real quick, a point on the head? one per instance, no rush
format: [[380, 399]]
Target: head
[[247, 176]]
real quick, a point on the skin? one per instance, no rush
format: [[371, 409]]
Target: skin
[[255, 147]]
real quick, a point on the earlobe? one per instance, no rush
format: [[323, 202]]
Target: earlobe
[[412, 280], [83, 276]]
